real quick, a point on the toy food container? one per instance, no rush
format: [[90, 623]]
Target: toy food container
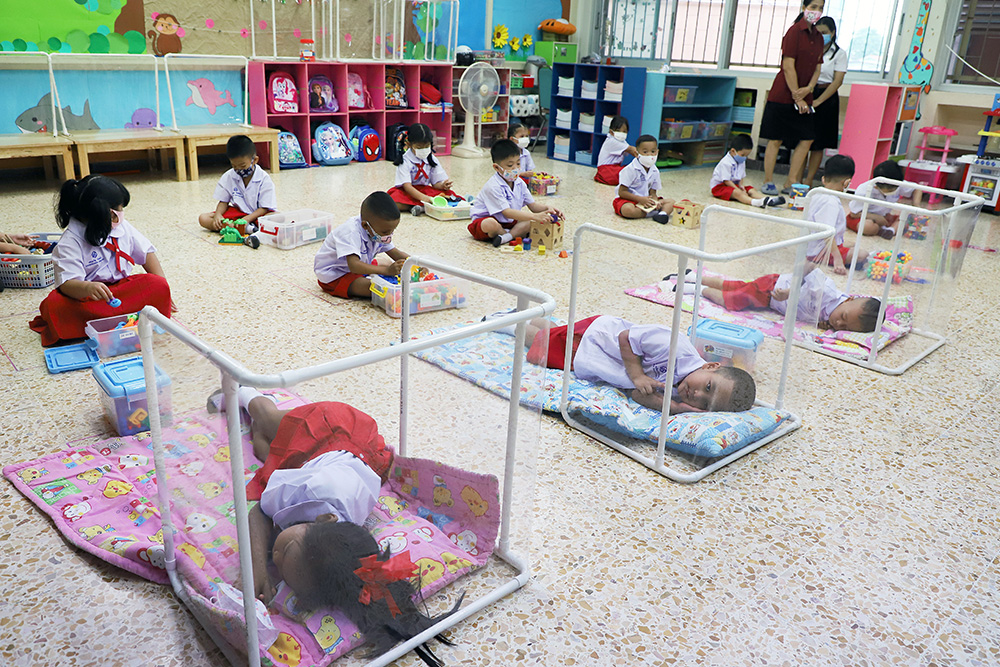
[[123, 394], [446, 210], [294, 228], [545, 184], [728, 344], [440, 293]]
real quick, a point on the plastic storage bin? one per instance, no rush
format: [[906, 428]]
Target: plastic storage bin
[[123, 394], [295, 228], [679, 94], [728, 344], [446, 292], [541, 184], [682, 131], [460, 211], [111, 339], [717, 130], [28, 271]]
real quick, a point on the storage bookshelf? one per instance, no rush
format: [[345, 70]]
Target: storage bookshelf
[[877, 124]]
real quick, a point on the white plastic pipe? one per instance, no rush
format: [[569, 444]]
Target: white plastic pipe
[[245, 78]]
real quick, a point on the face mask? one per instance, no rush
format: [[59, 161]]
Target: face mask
[[523, 142], [740, 159], [246, 173], [812, 15], [510, 176], [117, 218], [422, 153], [647, 161], [620, 136], [827, 39], [375, 238]]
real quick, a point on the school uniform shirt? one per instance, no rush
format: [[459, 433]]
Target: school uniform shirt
[[527, 164], [76, 259], [868, 189], [336, 483], [828, 210], [818, 297], [832, 62], [806, 47], [258, 193], [612, 151], [639, 180], [599, 357], [728, 169], [415, 171], [350, 238], [497, 196]]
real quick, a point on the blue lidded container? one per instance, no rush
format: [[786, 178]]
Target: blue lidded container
[[123, 394]]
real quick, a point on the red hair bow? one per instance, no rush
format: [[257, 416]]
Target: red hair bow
[[375, 574]]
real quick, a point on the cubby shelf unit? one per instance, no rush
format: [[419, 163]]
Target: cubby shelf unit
[[304, 123], [877, 124]]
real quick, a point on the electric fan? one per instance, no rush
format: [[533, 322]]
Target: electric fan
[[478, 89]]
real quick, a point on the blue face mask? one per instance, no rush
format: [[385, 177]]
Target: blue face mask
[[827, 39], [740, 159]]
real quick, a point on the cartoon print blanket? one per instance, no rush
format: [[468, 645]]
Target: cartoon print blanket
[[898, 319], [486, 361], [102, 498]]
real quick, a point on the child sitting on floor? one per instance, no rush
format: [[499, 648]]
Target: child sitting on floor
[[634, 356], [419, 177], [323, 467], [881, 220], [727, 179], [829, 210], [93, 260], [347, 256], [244, 192], [609, 160], [819, 299], [497, 213], [520, 135], [639, 181]]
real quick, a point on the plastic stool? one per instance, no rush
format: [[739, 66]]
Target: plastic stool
[[922, 166]]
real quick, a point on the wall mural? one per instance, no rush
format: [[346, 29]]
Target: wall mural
[[73, 26]]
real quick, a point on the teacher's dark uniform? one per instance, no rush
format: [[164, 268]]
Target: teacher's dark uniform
[[782, 120]]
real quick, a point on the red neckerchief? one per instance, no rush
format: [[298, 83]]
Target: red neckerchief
[[420, 171], [376, 574], [112, 245]]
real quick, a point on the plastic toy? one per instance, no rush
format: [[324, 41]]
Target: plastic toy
[[132, 321], [115, 302], [878, 266], [526, 243], [541, 248], [916, 227], [797, 201], [541, 184], [518, 248], [558, 26], [563, 254], [230, 236]]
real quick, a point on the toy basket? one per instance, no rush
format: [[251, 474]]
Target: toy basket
[[29, 271], [541, 184]]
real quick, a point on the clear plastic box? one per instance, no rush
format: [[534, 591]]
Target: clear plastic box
[[123, 394], [294, 228], [111, 339], [718, 130], [461, 211], [679, 94], [682, 131], [426, 296]]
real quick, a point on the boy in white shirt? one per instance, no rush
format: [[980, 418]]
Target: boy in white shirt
[[520, 135], [829, 210], [727, 179], [638, 183], [246, 191], [497, 214], [881, 220], [612, 154], [348, 254]]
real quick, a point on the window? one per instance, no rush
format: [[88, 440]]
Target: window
[[630, 28], [977, 39], [697, 29]]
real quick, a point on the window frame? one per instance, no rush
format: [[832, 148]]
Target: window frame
[[939, 81]]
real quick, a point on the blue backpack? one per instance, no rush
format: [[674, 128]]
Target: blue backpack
[[330, 145], [366, 145], [289, 152]]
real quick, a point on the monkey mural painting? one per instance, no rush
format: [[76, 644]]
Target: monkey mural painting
[[165, 37]]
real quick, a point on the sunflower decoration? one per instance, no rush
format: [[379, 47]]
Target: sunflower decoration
[[526, 41], [500, 36], [515, 44]]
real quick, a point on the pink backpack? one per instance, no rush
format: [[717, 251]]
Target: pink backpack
[[357, 94], [282, 95]]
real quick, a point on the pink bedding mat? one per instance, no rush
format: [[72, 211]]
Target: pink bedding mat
[[102, 498], [898, 318]]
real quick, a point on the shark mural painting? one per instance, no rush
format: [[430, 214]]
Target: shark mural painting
[[39, 118], [205, 96]]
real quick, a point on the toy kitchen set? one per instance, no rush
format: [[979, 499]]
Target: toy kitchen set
[[982, 175]]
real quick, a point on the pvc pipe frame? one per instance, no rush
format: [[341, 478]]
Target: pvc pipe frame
[[399, 15], [53, 94], [235, 374], [937, 339], [810, 231], [245, 77]]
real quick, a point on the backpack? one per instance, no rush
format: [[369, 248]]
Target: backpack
[[395, 141], [357, 94], [325, 100], [289, 151], [330, 145], [395, 89], [282, 95], [429, 93], [365, 140]]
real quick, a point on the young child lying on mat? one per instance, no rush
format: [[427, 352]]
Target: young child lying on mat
[[634, 356], [324, 464], [819, 299]]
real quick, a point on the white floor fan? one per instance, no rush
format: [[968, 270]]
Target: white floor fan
[[478, 89]]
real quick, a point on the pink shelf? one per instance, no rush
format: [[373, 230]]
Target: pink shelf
[[873, 111]]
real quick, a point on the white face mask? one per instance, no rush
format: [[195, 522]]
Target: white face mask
[[422, 153], [647, 161], [620, 136], [523, 141]]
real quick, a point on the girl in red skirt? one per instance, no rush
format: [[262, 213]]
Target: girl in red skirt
[[93, 260], [612, 156], [419, 177]]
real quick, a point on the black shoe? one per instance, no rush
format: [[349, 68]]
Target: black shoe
[[661, 217], [497, 241], [252, 241], [774, 201]]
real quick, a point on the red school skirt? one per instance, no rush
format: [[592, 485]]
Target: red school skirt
[[311, 430], [740, 294], [608, 174], [400, 197], [556, 356], [62, 318]]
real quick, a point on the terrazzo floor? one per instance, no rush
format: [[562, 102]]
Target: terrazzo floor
[[867, 537]]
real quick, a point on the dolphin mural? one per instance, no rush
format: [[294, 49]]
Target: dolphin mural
[[39, 118], [204, 95]]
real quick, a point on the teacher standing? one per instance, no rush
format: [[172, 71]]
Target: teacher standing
[[788, 116], [826, 101]]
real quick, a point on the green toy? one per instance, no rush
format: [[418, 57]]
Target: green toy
[[439, 201], [230, 236]]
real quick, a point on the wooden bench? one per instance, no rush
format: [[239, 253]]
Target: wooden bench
[[218, 135], [110, 141], [40, 145]]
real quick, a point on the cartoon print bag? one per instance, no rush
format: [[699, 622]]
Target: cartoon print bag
[[366, 144], [282, 95], [330, 145], [289, 151], [321, 95], [357, 94], [395, 89]]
